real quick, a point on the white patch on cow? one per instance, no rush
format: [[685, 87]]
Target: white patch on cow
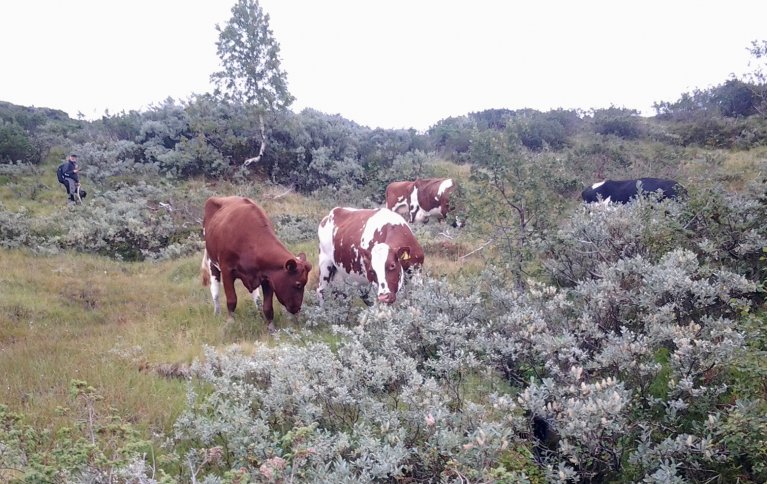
[[215, 286], [597, 185], [606, 202], [379, 255], [378, 260], [447, 183], [325, 234], [401, 202], [413, 206], [378, 221]]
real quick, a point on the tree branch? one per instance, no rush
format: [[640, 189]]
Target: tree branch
[[478, 248]]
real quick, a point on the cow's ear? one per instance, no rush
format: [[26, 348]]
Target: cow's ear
[[403, 253], [291, 265]]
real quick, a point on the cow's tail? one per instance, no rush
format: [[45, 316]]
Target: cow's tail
[[205, 269]]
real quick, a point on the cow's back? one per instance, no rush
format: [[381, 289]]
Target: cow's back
[[232, 221], [348, 232], [432, 192], [397, 192], [349, 227], [622, 191], [340, 235], [368, 245]]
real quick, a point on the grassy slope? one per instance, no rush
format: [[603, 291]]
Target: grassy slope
[[113, 324]]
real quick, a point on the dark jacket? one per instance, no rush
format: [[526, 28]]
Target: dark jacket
[[69, 171]]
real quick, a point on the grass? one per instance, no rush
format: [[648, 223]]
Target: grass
[[127, 328], [88, 318], [114, 324], [111, 324]]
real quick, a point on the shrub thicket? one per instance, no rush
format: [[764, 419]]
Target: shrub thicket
[[639, 367]]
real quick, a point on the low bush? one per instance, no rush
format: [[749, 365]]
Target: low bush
[[126, 224], [618, 376]]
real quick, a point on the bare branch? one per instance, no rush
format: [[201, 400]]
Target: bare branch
[[478, 248]]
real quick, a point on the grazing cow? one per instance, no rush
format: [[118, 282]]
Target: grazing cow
[[621, 191], [240, 243], [419, 200], [370, 246]]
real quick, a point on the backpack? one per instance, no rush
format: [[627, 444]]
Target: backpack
[[60, 173]]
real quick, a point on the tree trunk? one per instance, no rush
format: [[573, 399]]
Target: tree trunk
[[261, 150]]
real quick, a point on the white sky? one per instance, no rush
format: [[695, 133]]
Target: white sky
[[390, 64]]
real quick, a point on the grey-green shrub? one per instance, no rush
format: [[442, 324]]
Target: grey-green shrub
[[632, 366]]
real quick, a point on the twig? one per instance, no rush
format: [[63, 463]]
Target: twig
[[191, 468], [477, 249], [290, 189]]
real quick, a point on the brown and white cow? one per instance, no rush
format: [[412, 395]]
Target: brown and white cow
[[370, 246], [418, 200], [240, 243]]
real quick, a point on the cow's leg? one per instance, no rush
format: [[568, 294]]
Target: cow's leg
[[215, 288], [414, 213], [231, 294], [327, 272], [266, 288]]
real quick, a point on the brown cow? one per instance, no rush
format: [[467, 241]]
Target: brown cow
[[419, 200], [369, 246], [240, 243]]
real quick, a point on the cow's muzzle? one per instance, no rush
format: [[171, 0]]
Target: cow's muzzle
[[387, 298]]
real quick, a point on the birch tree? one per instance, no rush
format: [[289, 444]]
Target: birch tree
[[250, 58]]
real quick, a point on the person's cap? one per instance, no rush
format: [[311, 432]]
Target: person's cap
[[73, 155]]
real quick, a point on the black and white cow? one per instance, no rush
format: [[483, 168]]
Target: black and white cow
[[622, 191]]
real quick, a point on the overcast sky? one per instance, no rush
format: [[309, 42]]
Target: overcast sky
[[390, 64]]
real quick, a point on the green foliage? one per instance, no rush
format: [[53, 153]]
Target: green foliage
[[122, 224], [451, 138], [15, 145], [621, 122], [250, 59], [517, 194], [538, 134], [731, 99], [98, 446]]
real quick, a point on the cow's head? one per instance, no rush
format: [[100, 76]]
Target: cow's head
[[388, 269], [289, 282]]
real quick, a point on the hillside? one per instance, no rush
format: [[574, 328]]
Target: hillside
[[547, 341]]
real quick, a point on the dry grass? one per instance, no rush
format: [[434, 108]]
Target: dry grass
[[131, 329], [88, 318], [125, 327]]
